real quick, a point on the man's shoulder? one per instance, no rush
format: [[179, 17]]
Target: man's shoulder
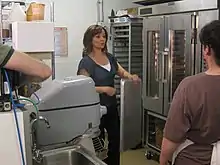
[[192, 81], [194, 78]]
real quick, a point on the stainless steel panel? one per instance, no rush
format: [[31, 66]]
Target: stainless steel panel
[[131, 115], [153, 34], [178, 54], [204, 17], [178, 7]]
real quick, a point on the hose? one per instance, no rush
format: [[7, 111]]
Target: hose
[[29, 100], [16, 119]]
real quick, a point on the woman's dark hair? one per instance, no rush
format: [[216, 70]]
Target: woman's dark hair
[[91, 32], [210, 38]]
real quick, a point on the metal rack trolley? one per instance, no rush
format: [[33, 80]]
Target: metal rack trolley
[[127, 46]]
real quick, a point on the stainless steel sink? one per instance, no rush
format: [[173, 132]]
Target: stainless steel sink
[[76, 155]]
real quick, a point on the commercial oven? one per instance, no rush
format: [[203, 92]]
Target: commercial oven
[[171, 52], [168, 58]]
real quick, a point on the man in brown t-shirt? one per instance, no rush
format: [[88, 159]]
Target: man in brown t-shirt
[[21, 62], [195, 110]]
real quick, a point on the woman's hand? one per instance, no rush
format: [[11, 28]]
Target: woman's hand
[[110, 91], [134, 78], [124, 74]]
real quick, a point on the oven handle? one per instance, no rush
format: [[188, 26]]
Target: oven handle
[[164, 54], [157, 68]]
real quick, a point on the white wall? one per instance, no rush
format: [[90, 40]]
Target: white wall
[[77, 15]]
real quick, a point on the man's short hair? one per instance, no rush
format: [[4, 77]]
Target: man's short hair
[[210, 38]]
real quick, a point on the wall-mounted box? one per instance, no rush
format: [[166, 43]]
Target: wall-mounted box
[[33, 36]]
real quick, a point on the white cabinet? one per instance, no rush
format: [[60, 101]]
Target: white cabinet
[[33, 37]]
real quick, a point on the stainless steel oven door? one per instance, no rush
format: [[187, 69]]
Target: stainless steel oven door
[[178, 58], [153, 40]]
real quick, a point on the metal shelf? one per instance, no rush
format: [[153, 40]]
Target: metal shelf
[[127, 48], [156, 115], [152, 2], [122, 30], [122, 36], [6, 3], [121, 24]]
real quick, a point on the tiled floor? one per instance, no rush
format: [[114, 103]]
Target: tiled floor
[[136, 157]]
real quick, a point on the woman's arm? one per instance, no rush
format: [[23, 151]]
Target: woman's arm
[[104, 89], [101, 89], [126, 75], [123, 73]]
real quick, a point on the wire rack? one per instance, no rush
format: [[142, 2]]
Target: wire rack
[[127, 47], [154, 133]]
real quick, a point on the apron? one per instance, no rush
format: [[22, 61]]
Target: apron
[[215, 160]]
